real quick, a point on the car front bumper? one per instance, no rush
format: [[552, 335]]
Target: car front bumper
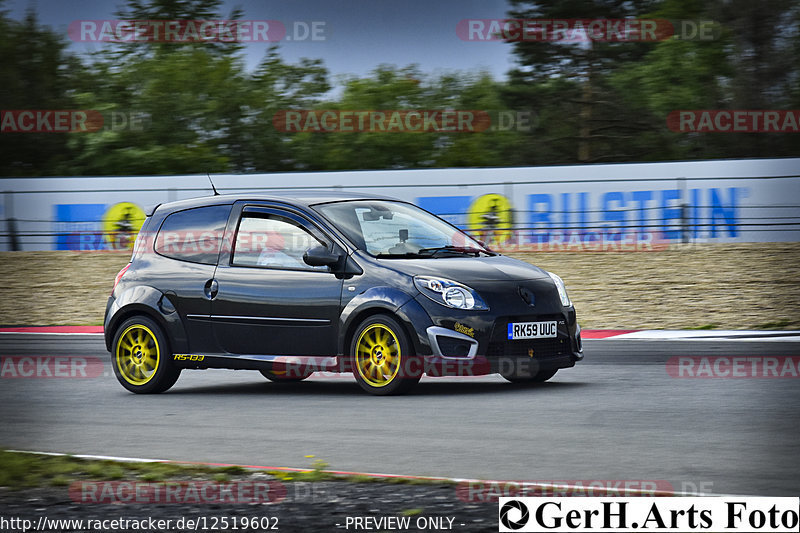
[[476, 343]]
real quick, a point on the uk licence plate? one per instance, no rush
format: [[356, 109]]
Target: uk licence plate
[[531, 330]]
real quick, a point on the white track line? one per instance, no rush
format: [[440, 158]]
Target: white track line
[[94, 457], [658, 334]]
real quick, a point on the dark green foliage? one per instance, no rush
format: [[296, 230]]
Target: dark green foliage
[[202, 110]]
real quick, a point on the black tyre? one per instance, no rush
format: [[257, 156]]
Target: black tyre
[[540, 377], [383, 358], [285, 376], [141, 357]]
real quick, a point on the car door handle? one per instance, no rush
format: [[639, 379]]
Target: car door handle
[[211, 289]]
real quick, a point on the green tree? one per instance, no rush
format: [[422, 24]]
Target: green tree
[[37, 74], [387, 88], [203, 111], [581, 119], [278, 86], [501, 144], [752, 63]]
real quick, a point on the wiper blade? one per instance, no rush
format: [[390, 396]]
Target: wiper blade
[[431, 252], [406, 255]]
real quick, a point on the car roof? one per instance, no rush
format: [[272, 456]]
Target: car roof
[[303, 198]]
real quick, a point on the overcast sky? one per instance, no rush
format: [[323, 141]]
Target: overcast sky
[[360, 34]]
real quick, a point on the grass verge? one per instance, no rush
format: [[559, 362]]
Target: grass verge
[[19, 470]]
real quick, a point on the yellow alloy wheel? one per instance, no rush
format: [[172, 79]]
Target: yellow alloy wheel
[[138, 354], [378, 355]]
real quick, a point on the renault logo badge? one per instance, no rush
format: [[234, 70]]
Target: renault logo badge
[[527, 296]]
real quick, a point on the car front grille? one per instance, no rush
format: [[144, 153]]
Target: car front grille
[[537, 348]]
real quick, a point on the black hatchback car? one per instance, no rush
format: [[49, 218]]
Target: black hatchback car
[[329, 282]]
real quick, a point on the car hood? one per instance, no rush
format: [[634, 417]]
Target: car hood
[[467, 269]]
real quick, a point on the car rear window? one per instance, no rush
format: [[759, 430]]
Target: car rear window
[[193, 235], [141, 237]]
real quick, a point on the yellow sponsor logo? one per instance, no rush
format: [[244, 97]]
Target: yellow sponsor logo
[[490, 218], [121, 223], [461, 328]]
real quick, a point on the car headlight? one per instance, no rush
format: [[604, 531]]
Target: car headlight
[[450, 293], [562, 289]]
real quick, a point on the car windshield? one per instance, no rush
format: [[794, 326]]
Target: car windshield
[[398, 230]]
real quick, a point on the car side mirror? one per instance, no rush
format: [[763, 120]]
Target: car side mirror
[[320, 256]]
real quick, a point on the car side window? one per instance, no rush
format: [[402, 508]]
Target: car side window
[[273, 241], [193, 235]]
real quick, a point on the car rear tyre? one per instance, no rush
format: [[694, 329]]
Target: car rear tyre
[[141, 358], [285, 376], [540, 377], [382, 357]]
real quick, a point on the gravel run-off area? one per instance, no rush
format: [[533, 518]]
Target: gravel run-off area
[[723, 286]]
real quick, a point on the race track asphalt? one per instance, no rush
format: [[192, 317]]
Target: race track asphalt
[[616, 416]]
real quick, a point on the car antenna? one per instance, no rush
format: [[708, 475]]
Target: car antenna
[[212, 184]]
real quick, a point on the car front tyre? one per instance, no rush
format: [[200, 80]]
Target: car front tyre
[[141, 358], [382, 357]]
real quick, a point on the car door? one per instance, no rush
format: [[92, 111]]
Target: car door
[[268, 301], [186, 250]]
